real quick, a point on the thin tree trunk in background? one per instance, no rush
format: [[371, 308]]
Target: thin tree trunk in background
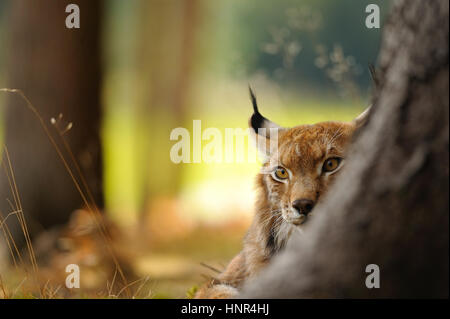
[[167, 56], [391, 206], [59, 70]]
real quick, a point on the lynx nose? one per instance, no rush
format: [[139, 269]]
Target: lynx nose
[[303, 206]]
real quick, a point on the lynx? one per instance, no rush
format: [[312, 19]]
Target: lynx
[[298, 168]]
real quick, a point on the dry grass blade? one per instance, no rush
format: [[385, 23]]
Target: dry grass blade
[[19, 209], [3, 289], [86, 193], [9, 172], [146, 279], [112, 283], [210, 267], [129, 285], [10, 240]]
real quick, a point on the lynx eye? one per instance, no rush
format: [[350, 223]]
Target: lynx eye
[[281, 173], [331, 164]]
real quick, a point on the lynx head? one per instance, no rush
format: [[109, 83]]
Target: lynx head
[[299, 164]]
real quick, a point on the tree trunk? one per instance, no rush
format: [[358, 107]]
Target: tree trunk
[[58, 69], [168, 52], [390, 206]]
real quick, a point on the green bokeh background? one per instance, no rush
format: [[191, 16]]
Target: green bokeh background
[[230, 54]]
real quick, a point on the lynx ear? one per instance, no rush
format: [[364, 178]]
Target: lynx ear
[[362, 118], [263, 131], [258, 123]]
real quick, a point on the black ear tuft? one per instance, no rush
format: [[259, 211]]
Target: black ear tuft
[[253, 98], [257, 120]]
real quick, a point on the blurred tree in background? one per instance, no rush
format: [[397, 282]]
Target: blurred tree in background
[[150, 59], [59, 70], [166, 60]]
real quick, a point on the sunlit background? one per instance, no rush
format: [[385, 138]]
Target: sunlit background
[[167, 63]]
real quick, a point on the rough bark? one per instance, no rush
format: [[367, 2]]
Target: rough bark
[[58, 69], [390, 206]]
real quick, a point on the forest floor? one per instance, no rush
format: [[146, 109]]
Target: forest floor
[[156, 268]]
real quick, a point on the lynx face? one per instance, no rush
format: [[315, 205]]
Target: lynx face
[[300, 164], [305, 163]]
